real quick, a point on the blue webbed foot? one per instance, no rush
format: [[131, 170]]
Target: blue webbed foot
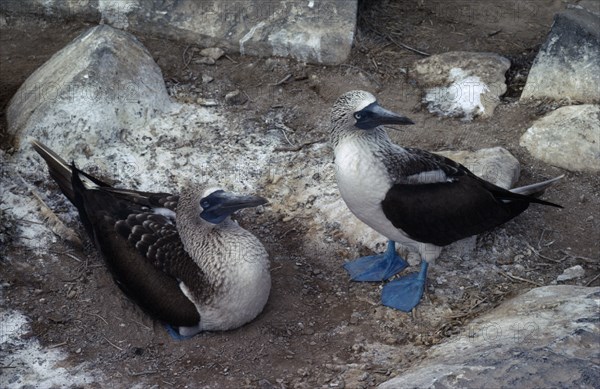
[[406, 292], [376, 267], [175, 333]]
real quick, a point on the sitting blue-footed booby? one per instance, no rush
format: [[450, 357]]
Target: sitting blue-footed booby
[[419, 199], [180, 258]]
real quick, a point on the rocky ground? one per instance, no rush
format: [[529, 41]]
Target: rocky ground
[[318, 330]]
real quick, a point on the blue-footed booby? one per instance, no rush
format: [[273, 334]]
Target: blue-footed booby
[[180, 258], [419, 199]]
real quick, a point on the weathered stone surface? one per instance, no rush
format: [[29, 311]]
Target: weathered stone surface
[[461, 84], [568, 64], [104, 81], [320, 31], [568, 137], [212, 52], [235, 98], [545, 338], [592, 6], [570, 273]]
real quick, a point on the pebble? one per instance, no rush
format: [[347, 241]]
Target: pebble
[[206, 79], [573, 272], [212, 52], [205, 61], [206, 102], [235, 98], [357, 348]]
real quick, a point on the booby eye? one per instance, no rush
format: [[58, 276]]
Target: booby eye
[[357, 116], [205, 204]]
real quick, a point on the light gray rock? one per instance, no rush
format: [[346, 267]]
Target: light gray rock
[[461, 84], [571, 273], [545, 338], [205, 61], [592, 6], [567, 137], [212, 52], [102, 82], [235, 98], [568, 64], [318, 31]]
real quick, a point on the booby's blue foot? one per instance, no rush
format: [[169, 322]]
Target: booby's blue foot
[[406, 292], [175, 334], [376, 267]]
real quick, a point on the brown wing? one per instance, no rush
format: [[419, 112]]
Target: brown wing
[[142, 249]]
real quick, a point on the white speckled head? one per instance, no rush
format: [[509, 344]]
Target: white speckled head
[[349, 103], [357, 111]]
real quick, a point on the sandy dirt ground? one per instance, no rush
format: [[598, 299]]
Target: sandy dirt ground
[[318, 329]]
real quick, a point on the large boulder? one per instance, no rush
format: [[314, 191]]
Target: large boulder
[[568, 64], [318, 31], [461, 84], [568, 137], [545, 338], [103, 82]]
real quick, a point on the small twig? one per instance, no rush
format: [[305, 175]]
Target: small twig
[[407, 47], [284, 79], [592, 280], [231, 59], [495, 32], [366, 300], [517, 278], [536, 252], [299, 147], [286, 137], [287, 232], [246, 94], [143, 325], [57, 345], [72, 256], [177, 359], [369, 75], [112, 344], [590, 260], [186, 62], [142, 373], [98, 316], [30, 221], [539, 244]]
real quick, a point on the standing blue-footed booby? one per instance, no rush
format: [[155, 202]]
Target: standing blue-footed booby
[[413, 197], [181, 258]]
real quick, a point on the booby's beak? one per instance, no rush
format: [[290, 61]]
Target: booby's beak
[[374, 115], [220, 204]]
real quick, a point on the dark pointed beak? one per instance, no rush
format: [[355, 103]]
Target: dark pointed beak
[[232, 202], [375, 115], [220, 204]]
